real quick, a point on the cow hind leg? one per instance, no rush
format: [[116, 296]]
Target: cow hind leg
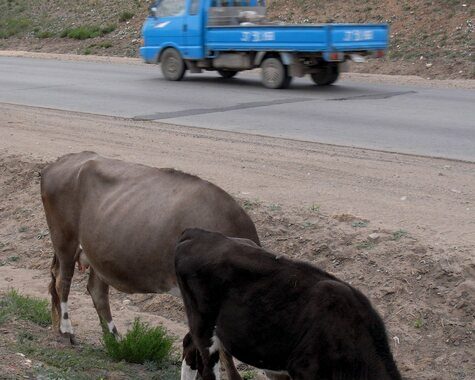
[[62, 271], [99, 292]]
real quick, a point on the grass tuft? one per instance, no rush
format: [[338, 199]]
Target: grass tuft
[[399, 234], [126, 16], [14, 305], [141, 344], [87, 31]]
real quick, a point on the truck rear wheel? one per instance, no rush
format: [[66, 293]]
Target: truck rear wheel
[[275, 74], [227, 74], [173, 66], [327, 75]]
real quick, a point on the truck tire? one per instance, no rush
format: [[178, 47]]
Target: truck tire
[[173, 66], [327, 75], [227, 74], [275, 74]]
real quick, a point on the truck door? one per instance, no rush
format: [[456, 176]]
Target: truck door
[[170, 22], [193, 29]]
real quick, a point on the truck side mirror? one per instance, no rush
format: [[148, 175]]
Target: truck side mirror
[[153, 12]]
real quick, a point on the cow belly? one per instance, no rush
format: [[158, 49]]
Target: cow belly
[[133, 273]]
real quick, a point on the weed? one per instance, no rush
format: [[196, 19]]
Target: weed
[[13, 26], [87, 51], [87, 31], [126, 16], [275, 207], [44, 34], [42, 234], [13, 259], [418, 323], [249, 204], [139, 345], [23, 229], [315, 207], [12, 304], [365, 245], [106, 45], [24, 336], [399, 234], [308, 224], [249, 375], [359, 224]]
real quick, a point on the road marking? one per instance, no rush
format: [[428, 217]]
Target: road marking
[[203, 111], [384, 95]]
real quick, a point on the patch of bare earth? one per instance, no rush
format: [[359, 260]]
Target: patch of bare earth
[[400, 228]]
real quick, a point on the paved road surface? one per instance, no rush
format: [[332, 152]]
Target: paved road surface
[[406, 119]]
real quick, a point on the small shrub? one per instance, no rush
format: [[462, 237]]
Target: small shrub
[[141, 344], [87, 51], [12, 304], [87, 31], [359, 224], [399, 234], [315, 207], [13, 26], [106, 45], [44, 34], [126, 16]]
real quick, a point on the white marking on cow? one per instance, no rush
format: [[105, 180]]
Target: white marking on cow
[[187, 373], [215, 346], [175, 291], [66, 326], [216, 371], [111, 327]]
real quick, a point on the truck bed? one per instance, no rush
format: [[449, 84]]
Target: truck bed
[[301, 38]]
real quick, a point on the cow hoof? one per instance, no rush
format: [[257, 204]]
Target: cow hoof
[[67, 337]]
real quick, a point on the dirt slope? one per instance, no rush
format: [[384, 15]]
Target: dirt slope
[[428, 38], [309, 201]]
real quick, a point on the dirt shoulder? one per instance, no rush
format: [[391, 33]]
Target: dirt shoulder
[[310, 201]]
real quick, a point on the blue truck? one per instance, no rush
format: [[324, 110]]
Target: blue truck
[[229, 36]]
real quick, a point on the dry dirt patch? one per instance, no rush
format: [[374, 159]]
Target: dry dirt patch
[[424, 294]]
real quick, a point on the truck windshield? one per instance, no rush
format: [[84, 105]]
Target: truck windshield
[[167, 8], [238, 3]]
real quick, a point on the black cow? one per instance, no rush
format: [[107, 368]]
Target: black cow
[[284, 316]]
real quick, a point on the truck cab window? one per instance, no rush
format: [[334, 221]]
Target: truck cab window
[[194, 7], [168, 8]]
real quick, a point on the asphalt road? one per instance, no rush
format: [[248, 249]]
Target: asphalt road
[[406, 119]]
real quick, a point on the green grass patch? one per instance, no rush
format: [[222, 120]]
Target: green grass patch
[[250, 204], [315, 207], [44, 34], [14, 305], [106, 45], [399, 234], [359, 224], [13, 26], [365, 245], [126, 16], [87, 31], [141, 344]]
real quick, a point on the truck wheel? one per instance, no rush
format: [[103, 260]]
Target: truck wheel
[[227, 74], [327, 75], [275, 74], [173, 66]]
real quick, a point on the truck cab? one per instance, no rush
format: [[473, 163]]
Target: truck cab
[[229, 36]]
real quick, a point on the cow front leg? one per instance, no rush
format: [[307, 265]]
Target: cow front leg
[[99, 292]]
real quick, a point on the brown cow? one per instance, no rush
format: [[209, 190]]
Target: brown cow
[[287, 317], [124, 220]]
